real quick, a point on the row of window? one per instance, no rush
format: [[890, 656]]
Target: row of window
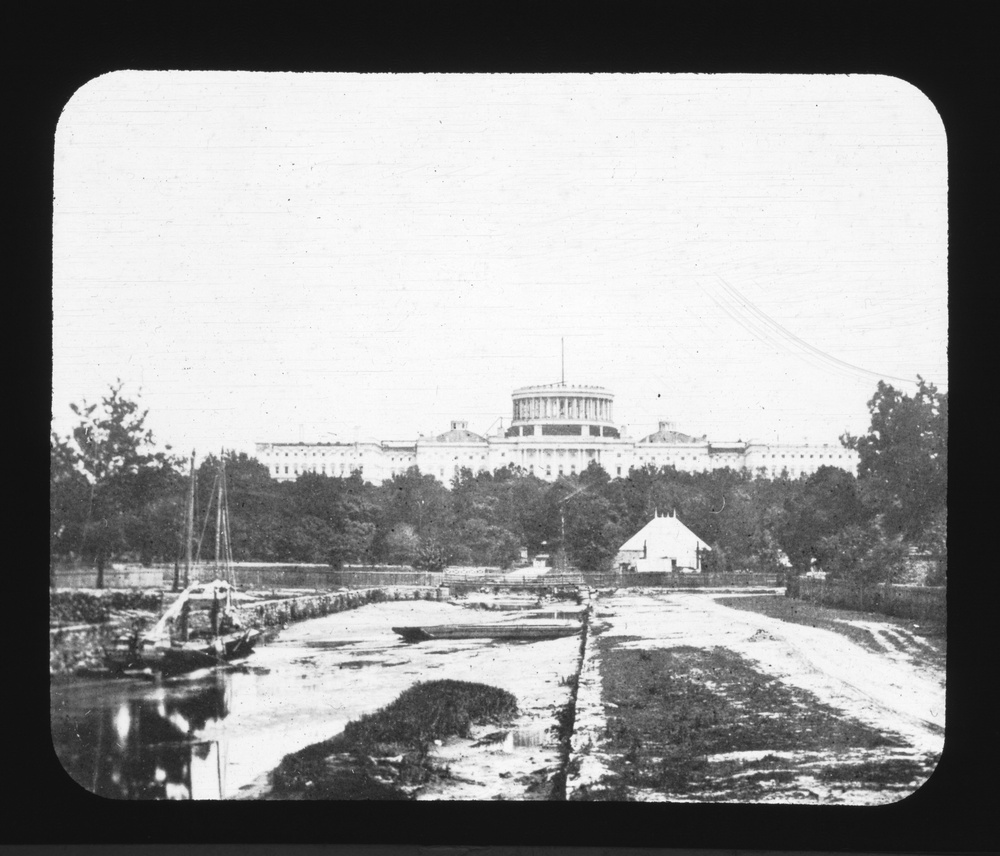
[[315, 454], [773, 471], [305, 469], [560, 452]]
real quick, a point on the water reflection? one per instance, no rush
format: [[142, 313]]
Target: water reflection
[[218, 734], [122, 745]]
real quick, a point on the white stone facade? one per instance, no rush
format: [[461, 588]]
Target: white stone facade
[[556, 429]]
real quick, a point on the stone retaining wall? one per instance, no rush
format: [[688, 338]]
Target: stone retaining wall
[[351, 577], [566, 579], [79, 646], [275, 613], [248, 575], [75, 606], [115, 577], [665, 579], [82, 645]]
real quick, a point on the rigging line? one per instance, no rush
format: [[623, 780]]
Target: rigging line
[[755, 328], [749, 326], [229, 541], [825, 361], [801, 342], [208, 510]]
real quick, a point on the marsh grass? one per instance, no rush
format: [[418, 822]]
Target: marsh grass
[[379, 755], [899, 771], [677, 707]]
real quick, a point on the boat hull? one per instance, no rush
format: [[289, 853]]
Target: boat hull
[[530, 631], [176, 659]]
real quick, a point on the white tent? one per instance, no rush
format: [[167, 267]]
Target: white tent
[[663, 544]]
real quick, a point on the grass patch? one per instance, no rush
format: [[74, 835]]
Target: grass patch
[[931, 646], [379, 755], [430, 711], [669, 710], [892, 771]]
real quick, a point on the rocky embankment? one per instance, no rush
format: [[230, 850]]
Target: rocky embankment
[[83, 622]]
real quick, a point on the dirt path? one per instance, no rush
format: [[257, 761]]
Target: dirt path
[[884, 692]]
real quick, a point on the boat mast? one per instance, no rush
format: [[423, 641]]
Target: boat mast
[[218, 512], [223, 545], [189, 526], [227, 541]]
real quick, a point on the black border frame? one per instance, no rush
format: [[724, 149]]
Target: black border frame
[[941, 49]]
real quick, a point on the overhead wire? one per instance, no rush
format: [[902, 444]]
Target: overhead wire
[[759, 331], [827, 360]]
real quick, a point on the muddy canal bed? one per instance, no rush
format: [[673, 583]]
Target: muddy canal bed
[[684, 699], [217, 734]]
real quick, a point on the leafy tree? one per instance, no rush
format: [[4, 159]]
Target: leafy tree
[[523, 511], [934, 540], [863, 555], [416, 499], [352, 542], [817, 507], [479, 542], [401, 544], [309, 540], [69, 494], [259, 512], [592, 530], [716, 561], [124, 472], [593, 535], [431, 557], [903, 459]]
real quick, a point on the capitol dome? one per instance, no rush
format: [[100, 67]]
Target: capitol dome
[[562, 409]]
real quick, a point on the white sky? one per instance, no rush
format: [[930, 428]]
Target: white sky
[[276, 257]]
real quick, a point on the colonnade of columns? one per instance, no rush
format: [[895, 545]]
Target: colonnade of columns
[[563, 407], [541, 457]]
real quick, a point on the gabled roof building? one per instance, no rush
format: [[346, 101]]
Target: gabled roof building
[[663, 544]]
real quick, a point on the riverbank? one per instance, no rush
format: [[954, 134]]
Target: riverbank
[[685, 699], [86, 622], [674, 697]]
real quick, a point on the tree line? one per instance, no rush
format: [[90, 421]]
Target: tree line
[[114, 496]]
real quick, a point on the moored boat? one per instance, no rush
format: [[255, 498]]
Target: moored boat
[[507, 630], [202, 627]]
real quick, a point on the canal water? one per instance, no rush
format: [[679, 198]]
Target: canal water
[[210, 734]]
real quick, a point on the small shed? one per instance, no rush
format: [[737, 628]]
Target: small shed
[[663, 544]]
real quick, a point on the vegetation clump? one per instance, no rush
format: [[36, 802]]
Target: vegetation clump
[[383, 753], [432, 710], [673, 709], [884, 772]]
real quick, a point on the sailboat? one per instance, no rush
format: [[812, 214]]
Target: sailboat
[[201, 628]]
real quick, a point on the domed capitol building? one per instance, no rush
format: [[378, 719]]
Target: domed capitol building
[[556, 430]]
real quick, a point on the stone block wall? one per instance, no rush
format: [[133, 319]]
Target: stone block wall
[[115, 577], [79, 646]]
